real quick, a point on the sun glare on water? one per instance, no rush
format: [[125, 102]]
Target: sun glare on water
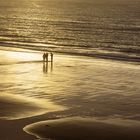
[[23, 56]]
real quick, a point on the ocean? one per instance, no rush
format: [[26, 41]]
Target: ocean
[[103, 28]]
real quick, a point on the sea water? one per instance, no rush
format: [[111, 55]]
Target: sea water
[[71, 85], [101, 28]]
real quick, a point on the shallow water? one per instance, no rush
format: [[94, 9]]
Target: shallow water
[[80, 85]]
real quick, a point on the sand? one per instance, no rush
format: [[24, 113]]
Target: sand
[[18, 107], [85, 129], [97, 90]]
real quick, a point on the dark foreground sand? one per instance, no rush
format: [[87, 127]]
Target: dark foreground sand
[[85, 129], [17, 111]]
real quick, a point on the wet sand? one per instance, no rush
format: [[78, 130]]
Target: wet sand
[[14, 107], [32, 91], [85, 129], [17, 110]]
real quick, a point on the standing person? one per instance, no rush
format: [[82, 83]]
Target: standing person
[[51, 57], [46, 56]]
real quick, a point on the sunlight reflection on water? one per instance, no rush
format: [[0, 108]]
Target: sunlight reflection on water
[[85, 86]]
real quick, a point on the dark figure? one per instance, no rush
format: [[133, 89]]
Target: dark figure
[[51, 57], [44, 56]]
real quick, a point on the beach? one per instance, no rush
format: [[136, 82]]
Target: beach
[[90, 91], [72, 86]]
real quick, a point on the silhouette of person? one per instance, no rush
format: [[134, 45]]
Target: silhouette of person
[[44, 57], [51, 57]]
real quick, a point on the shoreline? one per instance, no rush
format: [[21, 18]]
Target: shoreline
[[111, 57]]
